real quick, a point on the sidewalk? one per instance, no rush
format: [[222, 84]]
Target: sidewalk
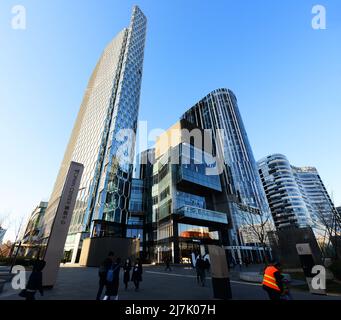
[[179, 284]]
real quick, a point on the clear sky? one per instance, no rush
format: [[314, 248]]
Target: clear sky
[[285, 74]]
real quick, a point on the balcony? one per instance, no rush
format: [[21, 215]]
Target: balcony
[[202, 214]]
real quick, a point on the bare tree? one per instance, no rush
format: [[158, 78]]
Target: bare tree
[[330, 220], [257, 225], [17, 223]]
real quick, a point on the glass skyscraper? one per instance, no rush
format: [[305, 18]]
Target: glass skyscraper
[[110, 105], [241, 183]]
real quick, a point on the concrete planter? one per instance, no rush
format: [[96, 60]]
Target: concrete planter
[[257, 277], [251, 277]]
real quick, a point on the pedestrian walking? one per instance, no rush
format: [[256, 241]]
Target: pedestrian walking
[[102, 273], [207, 263], [137, 274], [35, 281], [272, 281], [197, 267], [113, 281], [167, 263], [200, 267], [126, 273]]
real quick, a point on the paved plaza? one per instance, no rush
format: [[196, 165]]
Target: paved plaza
[[77, 283]]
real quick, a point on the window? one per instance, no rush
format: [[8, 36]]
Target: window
[[163, 172], [155, 200], [155, 179], [164, 194]]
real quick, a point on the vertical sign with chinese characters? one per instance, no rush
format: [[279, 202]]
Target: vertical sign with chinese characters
[[61, 223]]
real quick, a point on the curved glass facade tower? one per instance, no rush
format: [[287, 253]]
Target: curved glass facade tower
[[219, 111], [287, 204], [296, 195], [110, 103], [320, 204]]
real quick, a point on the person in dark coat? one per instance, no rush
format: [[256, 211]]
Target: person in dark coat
[[137, 274], [126, 275], [167, 263], [200, 267], [113, 281], [197, 267], [102, 273], [207, 263], [35, 281]]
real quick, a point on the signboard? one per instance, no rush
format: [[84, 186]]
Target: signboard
[[219, 271], [307, 262], [219, 268], [61, 223], [303, 248]]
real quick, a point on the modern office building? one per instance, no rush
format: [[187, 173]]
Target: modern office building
[[240, 182], [30, 242], [110, 105], [203, 192], [297, 196], [184, 211]]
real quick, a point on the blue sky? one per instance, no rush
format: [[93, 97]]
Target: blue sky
[[285, 74]]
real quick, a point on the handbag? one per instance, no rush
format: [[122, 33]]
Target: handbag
[[110, 274]]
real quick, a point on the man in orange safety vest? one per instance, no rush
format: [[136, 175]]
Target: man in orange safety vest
[[272, 281]]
